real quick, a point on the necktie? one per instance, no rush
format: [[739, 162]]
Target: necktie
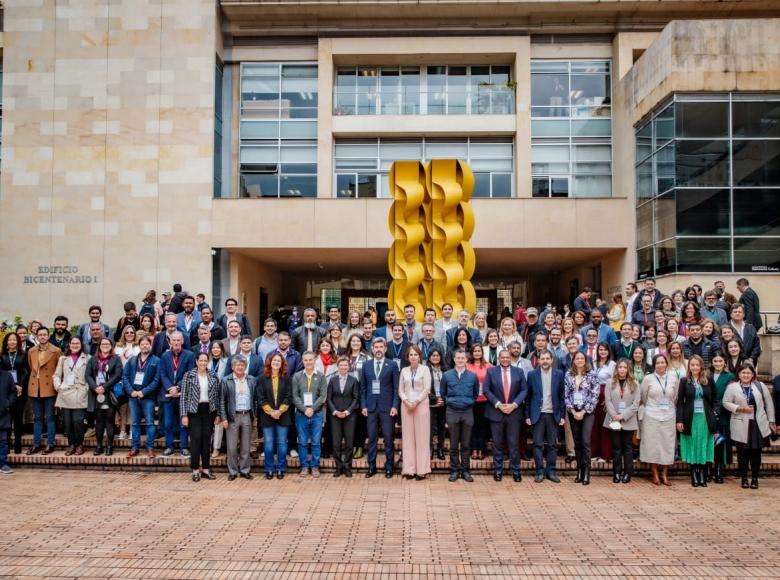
[[377, 369], [506, 385], [203, 348], [590, 352]]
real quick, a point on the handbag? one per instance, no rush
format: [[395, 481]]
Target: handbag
[[117, 400]]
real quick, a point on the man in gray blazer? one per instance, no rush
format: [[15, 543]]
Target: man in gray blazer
[[443, 324], [310, 391], [237, 402]]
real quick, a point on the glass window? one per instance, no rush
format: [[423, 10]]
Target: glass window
[[666, 257], [644, 262], [663, 127], [702, 163], [481, 185], [644, 225], [298, 186], [755, 119], [703, 255], [702, 119], [259, 185], [644, 180], [756, 254], [665, 168], [757, 212], [756, 163], [703, 212], [501, 184], [665, 216], [540, 187], [644, 141], [550, 159], [346, 185]]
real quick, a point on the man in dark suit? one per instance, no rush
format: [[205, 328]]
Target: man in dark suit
[[506, 390], [752, 305], [203, 342], [379, 402], [582, 302], [162, 340], [427, 343], [648, 290], [546, 408], [294, 362], [751, 345], [308, 335], [343, 402], [216, 332], [625, 345], [232, 313], [174, 364]]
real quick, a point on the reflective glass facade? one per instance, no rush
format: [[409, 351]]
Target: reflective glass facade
[[708, 185]]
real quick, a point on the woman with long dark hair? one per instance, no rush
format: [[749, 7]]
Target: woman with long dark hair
[[436, 404], [199, 409], [104, 372], [14, 361]]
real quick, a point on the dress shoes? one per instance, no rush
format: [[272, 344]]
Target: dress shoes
[[553, 477], [69, 451], [79, 450], [453, 476], [269, 475], [440, 453], [133, 453], [467, 476], [517, 477], [337, 473], [539, 477], [388, 475], [497, 476], [626, 478], [419, 477], [98, 450], [208, 475], [109, 451], [280, 475], [196, 477], [246, 476], [371, 472], [232, 477], [49, 449], [33, 450]]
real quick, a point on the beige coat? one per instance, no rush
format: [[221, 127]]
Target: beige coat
[[422, 383], [765, 410], [612, 400], [71, 396], [42, 369]]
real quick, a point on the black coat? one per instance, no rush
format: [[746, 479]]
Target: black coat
[[685, 397], [349, 400], [20, 366], [7, 398], [752, 305], [113, 377], [265, 396]]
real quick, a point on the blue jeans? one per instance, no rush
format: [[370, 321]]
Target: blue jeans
[[43, 409], [142, 408], [275, 440], [172, 421], [309, 431], [4, 446]]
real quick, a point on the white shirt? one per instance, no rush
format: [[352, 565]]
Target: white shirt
[[203, 381]]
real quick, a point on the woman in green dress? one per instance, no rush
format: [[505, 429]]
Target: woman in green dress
[[696, 420], [721, 378]]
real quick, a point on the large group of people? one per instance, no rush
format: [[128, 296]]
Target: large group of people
[[673, 377]]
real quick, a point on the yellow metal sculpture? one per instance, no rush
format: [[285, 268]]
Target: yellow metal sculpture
[[431, 260], [406, 259]]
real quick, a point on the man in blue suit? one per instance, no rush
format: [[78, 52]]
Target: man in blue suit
[[379, 401], [506, 390], [174, 364], [546, 409]]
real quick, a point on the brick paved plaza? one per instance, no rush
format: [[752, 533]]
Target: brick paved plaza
[[131, 524]]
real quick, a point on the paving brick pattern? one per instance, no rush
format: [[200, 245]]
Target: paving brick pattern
[[162, 525]]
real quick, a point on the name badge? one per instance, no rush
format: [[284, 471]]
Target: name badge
[[578, 400], [621, 408], [308, 399], [139, 379], [101, 378], [70, 380], [374, 387], [664, 405], [397, 362], [698, 406], [13, 374]]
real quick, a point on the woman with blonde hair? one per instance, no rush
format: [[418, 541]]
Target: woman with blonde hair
[[126, 348], [677, 363], [617, 313], [622, 401], [507, 333], [696, 420], [568, 329]]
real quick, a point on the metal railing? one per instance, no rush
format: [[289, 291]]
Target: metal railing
[[476, 100]]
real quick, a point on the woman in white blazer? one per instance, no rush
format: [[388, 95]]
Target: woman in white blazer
[[414, 386], [752, 420], [70, 382], [622, 399]]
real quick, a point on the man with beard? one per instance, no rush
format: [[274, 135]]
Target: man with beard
[[189, 319], [61, 336], [307, 336], [216, 332]]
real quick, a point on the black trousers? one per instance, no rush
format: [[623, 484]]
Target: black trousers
[[73, 420], [751, 456], [343, 430], [506, 432], [622, 452], [460, 423], [581, 431], [201, 428], [361, 430], [438, 421], [481, 430], [17, 417], [545, 432], [104, 422]]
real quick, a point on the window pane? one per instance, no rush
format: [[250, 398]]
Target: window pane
[[259, 154], [644, 225], [666, 257], [592, 186], [481, 185], [299, 129], [757, 212], [590, 90], [756, 254], [356, 150], [298, 186], [664, 162], [446, 151], [491, 164], [366, 185], [551, 90], [259, 129], [644, 141], [708, 119], [299, 154], [346, 185], [663, 125], [644, 180], [502, 184], [550, 128], [666, 216], [259, 185], [756, 163], [591, 128], [644, 262], [559, 187], [540, 187], [702, 163], [755, 119], [490, 150], [703, 212], [400, 151], [550, 159], [703, 255]]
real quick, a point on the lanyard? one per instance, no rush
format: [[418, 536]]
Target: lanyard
[[747, 392], [622, 389], [176, 361], [627, 351], [12, 358], [663, 386], [308, 382], [426, 348], [397, 349], [414, 373], [142, 362]]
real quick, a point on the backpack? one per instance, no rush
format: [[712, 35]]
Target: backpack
[[147, 309]]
